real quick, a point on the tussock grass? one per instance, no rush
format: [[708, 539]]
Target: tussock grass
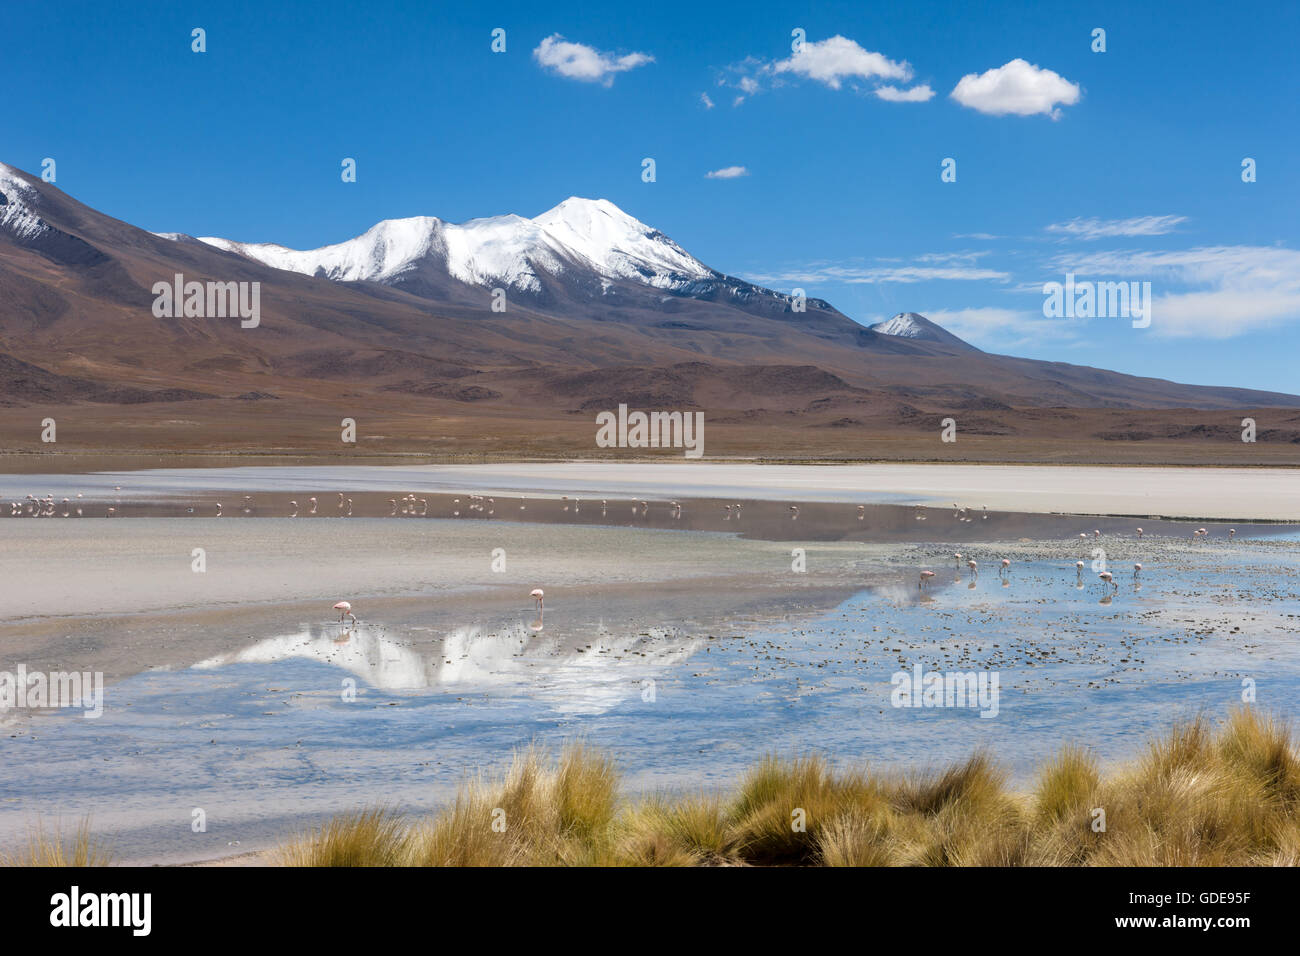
[[374, 837], [52, 849], [1203, 795]]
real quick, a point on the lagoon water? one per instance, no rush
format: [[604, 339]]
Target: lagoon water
[[686, 653]]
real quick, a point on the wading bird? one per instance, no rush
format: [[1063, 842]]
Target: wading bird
[[925, 578], [345, 610], [537, 594]]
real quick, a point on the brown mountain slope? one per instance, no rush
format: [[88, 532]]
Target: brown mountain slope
[[77, 331]]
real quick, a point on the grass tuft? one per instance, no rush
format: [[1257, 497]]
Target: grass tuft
[[1200, 795]]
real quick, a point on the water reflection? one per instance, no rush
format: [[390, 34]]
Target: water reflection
[[581, 673]]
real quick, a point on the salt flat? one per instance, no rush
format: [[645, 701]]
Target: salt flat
[[1230, 494]]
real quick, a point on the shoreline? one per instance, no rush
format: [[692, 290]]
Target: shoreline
[[1192, 493]]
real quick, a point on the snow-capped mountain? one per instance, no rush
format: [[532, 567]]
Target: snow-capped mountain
[[904, 325], [582, 236], [914, 326], [17, 200], [22, 221], [624, 315]]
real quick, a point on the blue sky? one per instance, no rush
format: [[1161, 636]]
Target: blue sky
[[1127, 166]]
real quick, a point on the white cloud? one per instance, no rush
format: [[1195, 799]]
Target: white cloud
[[1002, 328], [1110, 228], [728, 172], [836, 59], [834, 62], [706, 101], [917, 94], [1018, 88], [1219, 291], [577, 61], [957, 267]]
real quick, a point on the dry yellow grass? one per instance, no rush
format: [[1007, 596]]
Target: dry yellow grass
[[51, 849], [1200, 795]]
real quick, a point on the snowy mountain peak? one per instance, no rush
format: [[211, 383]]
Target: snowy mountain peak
[[586, 235], [907, 325], [17, 199], [914, 326]]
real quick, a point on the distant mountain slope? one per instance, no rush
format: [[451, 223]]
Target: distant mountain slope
[[596, 300]]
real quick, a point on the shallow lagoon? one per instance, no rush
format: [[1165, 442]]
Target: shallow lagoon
[[258, 734]]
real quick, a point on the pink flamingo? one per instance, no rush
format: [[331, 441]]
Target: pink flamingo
[[537, 594], [1137, 570], [925, 578], [1139, 532], [345, 610], [1006, 563], [1108, 579]]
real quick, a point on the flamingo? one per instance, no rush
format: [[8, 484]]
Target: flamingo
[[1139, 532], [218, 509], [957, 557], [862, 512], [973, 569], [1006, 563], [1108, 579], [294, 506], [345, 610], [313, 505], [1078, 569], [1232, 533], [537, 594], [1137, 570], [925, 578], [794, 512]]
